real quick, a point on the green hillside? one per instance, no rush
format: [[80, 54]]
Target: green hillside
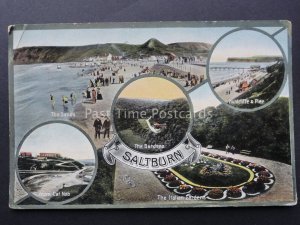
[[52, 54]]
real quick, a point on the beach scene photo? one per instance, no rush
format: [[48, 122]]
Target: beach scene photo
[[56, 162], [246, 69], [76, 79], [152, 115]]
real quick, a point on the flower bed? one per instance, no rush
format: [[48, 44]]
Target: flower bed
[[198, 191], [262, 181], [252, 166], [229, 159], [254, 187], [164, 173], [170, 178], [245, 163], [264, 173], [234, 192], [183, 189], [175, 183], [259, 168], [236, 161], [215, 193]]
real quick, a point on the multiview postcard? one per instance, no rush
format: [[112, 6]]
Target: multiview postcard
[[156, 114]]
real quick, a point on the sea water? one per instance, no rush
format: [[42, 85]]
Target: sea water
[[217, 76], [33, 85]]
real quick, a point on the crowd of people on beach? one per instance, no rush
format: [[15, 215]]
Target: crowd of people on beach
[[100, 77], [190, 80]]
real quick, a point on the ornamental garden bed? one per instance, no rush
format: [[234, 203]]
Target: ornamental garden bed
[[217, 178]]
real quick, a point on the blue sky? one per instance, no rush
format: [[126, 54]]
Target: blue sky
[[282, 38], [203, 97], [59, 138], [245, 43], [76, 37]]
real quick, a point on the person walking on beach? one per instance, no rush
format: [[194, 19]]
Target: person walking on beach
[[106, 81], [106, 126], [52, 101], [97, 126], [94, 95], [88, 93], [72, 98], [83, 96], [99, 95], [91, 83]]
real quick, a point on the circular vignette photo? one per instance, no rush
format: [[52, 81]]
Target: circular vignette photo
[[246, 69], [56, 163], [152, 115]]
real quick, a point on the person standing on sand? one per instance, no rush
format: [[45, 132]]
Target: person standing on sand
[[64, 99], [106, 81], [94, 95], [52, 101], [187, 83], [99, 95], [88, 93], [91, 83], [98, 126], [106, 126]]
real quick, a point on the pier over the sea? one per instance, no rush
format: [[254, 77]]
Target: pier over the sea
[[228, 68]]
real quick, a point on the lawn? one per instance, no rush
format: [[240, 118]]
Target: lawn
[[232, 176], [131, 138]]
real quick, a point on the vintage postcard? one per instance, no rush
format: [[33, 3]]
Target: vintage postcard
[[159, 114]]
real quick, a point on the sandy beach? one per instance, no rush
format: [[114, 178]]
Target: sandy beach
[[229, 90]]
